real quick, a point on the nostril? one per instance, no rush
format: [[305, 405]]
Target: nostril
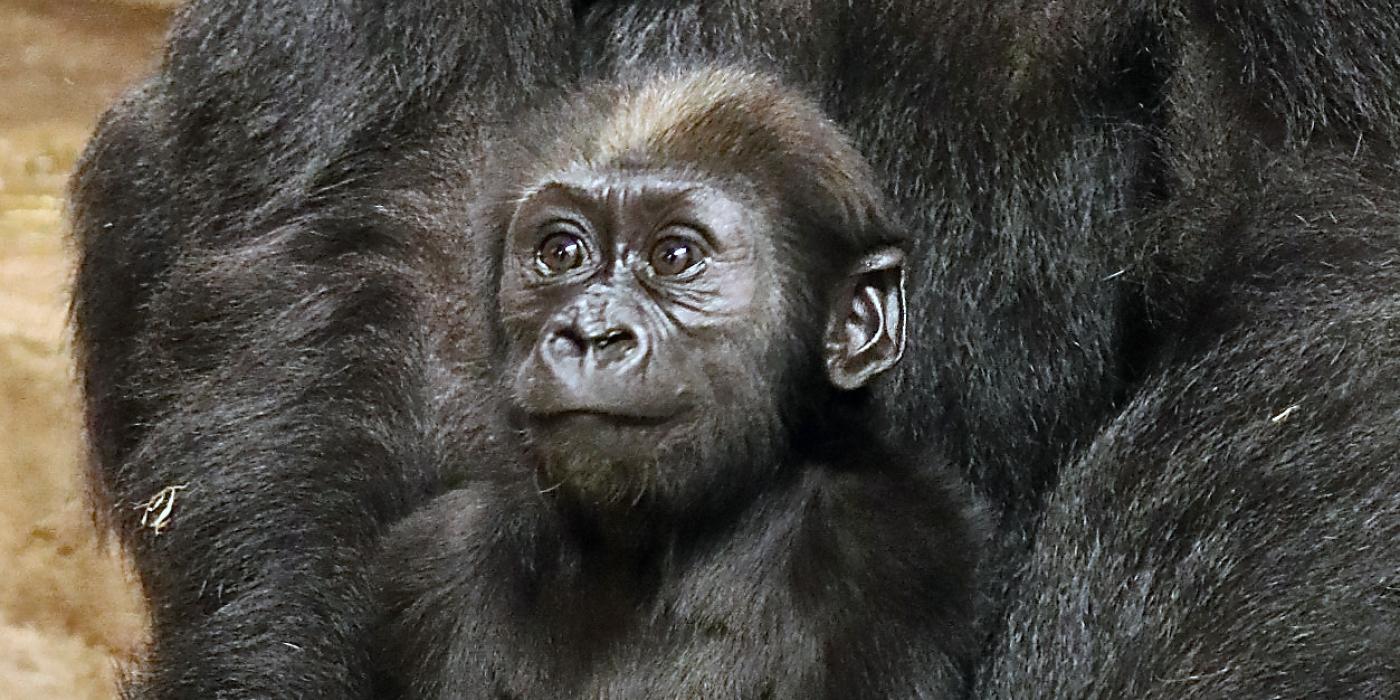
[[568, 342], [615, 344], [615, 336], [572, 343]]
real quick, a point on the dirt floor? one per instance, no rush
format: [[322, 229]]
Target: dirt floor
[[69, 613]]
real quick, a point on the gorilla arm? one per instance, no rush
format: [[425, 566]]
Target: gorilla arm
[[1235, 531], [250, 334]]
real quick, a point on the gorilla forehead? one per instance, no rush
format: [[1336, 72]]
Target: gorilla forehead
[[710, 124], [728, 208]]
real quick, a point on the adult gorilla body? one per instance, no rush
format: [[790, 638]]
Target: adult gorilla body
[[1152, 314], [1152, 317]]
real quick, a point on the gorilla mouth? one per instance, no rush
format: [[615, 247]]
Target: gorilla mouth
[[602, 418], [601, 434]]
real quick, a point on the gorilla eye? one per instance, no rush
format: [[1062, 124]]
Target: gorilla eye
[[673, 256], [559, 253]]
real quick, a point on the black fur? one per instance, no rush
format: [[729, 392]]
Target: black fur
[[1153, 312], [1120, 205], [849, 580], [252, 324]]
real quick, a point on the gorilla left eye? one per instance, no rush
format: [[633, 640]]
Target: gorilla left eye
[[673, 256], [560, 252]]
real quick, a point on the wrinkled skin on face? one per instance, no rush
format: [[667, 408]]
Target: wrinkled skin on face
[[634, 305], [641, 308]]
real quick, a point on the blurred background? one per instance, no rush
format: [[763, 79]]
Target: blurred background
[[69, 610]]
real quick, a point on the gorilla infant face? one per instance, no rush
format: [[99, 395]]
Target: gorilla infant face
[[635, 305], [691, 274]]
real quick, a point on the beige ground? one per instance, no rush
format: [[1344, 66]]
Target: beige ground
[[67, 610]]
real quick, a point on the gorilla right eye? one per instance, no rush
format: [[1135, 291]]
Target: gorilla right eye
[[674, 256], [560, 252]]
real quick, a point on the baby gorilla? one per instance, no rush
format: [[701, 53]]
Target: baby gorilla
[[697, 280]]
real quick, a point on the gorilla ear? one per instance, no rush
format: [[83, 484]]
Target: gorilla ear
[[865, 328]]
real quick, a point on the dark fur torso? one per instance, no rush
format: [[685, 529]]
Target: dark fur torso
[[789, 595]]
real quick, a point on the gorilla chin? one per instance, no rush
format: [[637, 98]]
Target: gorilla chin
[[600, 457]]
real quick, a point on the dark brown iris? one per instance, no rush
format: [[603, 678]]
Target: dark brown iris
[[560, 252], [673, 256]]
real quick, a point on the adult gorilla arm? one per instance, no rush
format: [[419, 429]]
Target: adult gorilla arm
[[1204, 196], [1235, 531], [250, 322]]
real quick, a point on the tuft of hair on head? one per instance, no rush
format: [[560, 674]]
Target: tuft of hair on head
[[734, 123], [730, 125]]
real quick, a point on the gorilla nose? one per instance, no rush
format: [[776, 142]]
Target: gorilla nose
[[601, 345]]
